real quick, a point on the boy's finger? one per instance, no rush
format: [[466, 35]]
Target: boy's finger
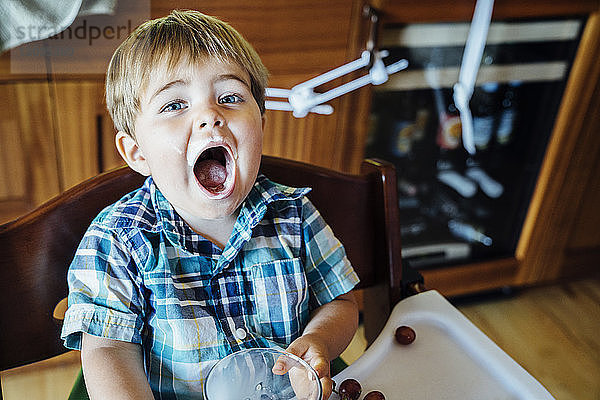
[[282, 365], [298, 347], [322, 367], [327, 385]]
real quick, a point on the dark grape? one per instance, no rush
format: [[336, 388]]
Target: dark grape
[[405, 335], [374, 395], [350, 389]]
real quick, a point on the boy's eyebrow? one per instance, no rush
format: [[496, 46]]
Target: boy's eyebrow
[[220, 78], [226, 77], [167, 86]]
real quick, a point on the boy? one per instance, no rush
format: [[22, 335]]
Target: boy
[[207, 257]]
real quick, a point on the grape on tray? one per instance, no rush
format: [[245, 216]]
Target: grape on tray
[[405, 335], [350, 389], [374, 395]]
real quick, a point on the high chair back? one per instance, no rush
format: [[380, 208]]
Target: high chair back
[[36, 250]]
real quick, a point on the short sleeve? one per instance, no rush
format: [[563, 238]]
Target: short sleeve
[[104, 290], [328, 269]]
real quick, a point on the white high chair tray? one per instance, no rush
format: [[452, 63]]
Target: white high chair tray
[[449, 359]]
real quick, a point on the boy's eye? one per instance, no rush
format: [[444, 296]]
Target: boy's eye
[[230, 99], [174, 106]]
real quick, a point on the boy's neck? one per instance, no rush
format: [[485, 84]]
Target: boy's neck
[[217, 231]]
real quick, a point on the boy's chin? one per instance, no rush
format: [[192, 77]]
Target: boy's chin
[[218, 214], [219, 205]]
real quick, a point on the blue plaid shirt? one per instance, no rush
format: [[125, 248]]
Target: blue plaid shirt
[[142, 275]]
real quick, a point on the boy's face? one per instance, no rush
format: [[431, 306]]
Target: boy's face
[[199, 134]]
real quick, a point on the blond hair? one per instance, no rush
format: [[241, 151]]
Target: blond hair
[[167, 40]]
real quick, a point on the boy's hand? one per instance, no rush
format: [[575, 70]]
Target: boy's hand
[[314, 352], [326, 335]]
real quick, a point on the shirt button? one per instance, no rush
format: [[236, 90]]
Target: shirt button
[[240, 333]]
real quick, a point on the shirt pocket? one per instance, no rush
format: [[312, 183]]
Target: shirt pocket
[[281, 300]]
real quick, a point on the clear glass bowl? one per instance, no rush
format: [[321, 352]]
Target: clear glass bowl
[[248, 375]]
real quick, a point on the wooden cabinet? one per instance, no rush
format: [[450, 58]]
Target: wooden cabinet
[[560, 238], [561, 235]]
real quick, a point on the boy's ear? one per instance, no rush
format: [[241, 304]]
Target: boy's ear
[[131, 153]]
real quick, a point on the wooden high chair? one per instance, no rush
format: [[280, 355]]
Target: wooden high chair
[[36, 250]]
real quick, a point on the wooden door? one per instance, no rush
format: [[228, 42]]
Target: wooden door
[[561, 234]]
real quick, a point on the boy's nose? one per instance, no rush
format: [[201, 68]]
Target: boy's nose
[[210, 119]]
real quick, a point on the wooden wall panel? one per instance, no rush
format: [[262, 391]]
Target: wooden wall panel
[[302, 139], [36, 124], [13, 179], [291, 36], [109, 157], [77, 111], [29, 174], [333, 141], [86, 136]]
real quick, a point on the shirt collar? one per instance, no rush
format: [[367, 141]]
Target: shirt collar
[[253, 209], [266, 191]]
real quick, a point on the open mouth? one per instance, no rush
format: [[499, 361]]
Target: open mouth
[[212, 170]]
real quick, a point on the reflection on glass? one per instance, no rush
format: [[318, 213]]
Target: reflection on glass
[[262, 374]]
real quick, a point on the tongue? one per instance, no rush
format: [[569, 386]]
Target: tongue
[[210, 173]]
